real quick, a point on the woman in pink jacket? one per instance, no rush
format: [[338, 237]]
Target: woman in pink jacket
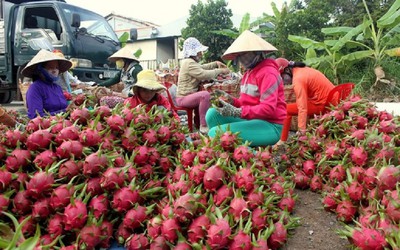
[[258, 114]]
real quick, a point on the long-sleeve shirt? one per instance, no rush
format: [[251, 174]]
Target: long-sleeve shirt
[[192, 73], [45, 99], [262, 93], [128, 76], [65, 81], [310, 86], [158, 100]]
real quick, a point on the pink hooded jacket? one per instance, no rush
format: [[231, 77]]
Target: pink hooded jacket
[[262, 93]]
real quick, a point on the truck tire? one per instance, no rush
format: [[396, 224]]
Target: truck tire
[[7, 97]]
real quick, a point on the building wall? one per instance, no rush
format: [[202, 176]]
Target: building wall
[[121, 25]]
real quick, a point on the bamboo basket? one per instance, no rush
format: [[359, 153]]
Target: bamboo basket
[[23, 87], [290, 96]]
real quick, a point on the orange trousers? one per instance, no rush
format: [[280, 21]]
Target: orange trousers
[[292, 110]]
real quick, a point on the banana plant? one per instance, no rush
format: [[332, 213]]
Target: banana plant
[[376, 40]]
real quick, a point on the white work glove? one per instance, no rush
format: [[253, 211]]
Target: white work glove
[[229, 110]]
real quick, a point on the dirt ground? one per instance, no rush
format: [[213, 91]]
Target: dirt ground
[[317, 229]]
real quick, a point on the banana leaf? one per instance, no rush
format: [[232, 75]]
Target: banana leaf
[[336, 30], [30, 243], [307, 43], [349, 36], [311, 53], [358, 55], [390, 16]]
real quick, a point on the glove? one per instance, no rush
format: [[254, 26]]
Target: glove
[[225, 96], [229, 110], [20, 126]]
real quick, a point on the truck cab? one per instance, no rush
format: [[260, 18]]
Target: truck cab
[[83, 36]]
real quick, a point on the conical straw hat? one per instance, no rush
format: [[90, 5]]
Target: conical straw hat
[[45, 56], [127, 52], [147, 79], [247, 41]]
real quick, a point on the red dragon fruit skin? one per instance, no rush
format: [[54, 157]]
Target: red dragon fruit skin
[[169, 229], [213, 177], [346, 211], [5, 179], [124, 199], [245, 179], [89, 237], [185, 207], [154, 227], [137, 242], [4, 203], [40, 184], [55, 227], [99, 205], [224, 193], [388, 177], [134, 217], [106, 228], [41, 208], [241, 241], [238, 208], [368, 239], [39, 139], [61, 196], [218, 234], [198, 228], [278, 236], [75, 215]]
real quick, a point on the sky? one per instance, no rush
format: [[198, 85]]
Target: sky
[[162, 12]]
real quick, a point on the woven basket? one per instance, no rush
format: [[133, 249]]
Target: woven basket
[[118, 87], [23, 87], [290, 96], [232, 89]]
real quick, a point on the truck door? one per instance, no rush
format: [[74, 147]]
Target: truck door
[[40, 27]]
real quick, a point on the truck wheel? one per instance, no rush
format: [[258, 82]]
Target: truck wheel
[[7, 97]]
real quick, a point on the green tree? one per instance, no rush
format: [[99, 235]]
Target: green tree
[[352, 12], [203, 20]]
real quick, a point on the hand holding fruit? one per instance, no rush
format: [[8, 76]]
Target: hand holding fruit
[[225, 71], [222, 95], [220, 64]]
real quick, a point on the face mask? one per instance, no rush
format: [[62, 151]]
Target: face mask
[[48, 77], [249, 60], [120, 64]]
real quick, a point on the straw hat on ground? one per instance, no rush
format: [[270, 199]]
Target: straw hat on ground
[[246, 42], [147, 79], [45, 56], [127, 52]]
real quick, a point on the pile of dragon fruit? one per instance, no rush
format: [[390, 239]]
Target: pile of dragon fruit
[[352, 157], [91, 177]]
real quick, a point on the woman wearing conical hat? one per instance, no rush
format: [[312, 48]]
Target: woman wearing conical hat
[[44, 96], [258, 114], [129, 64], [147, 92]]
